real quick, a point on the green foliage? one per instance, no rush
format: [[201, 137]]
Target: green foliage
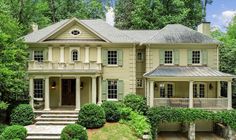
[[125, 113], [3, 105], [23, 115], [111, 110], [74, 131], [2, 127], [14, 132], [136, 102], [91, 116]]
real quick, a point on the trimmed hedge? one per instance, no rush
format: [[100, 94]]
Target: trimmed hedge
[[74, 132], [2, 127], [91, 116], [22, 115], [14, 132], [111, 111], [136, 103]]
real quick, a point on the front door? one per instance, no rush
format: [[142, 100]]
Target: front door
[[68, 91]]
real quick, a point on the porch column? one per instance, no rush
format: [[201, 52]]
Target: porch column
[[99, 60], [151, 93], [61, 54], [46, 98], [229, 94], [100, 90], [148, 92], [77, 101], [218, 89], [49, 53], [31, 91], [190, 94], [86, 60], [191, 131], [94, 90]]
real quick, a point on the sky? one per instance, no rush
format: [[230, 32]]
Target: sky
[[221, 12]]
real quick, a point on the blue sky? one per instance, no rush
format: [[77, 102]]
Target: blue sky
[[221, 12]]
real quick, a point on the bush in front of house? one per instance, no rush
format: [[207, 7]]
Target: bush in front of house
[[14, 132], [74, 132], [136, 103], [2, 127], [111, 111], [91, 116], [22, 115]]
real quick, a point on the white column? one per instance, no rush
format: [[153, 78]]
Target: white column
[[229, 94], [61, 54], [94, 90], [47, 98], [148, 92], [100, 90], [99, 53], [86, 55], [218, 89], [190, 94], [77, 101], [31, 91], [191, 131], [151, 93], [49, 53]]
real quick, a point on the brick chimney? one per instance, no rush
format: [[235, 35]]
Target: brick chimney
[[205, 28]]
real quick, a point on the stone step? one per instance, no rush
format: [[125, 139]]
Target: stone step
[[56, 119], [56, 112], [59, 115], [43, 138], [54, 122]]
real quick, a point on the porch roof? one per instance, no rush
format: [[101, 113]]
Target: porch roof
[[185, 71]]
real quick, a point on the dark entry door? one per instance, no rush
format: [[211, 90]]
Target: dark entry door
[[68, 91]]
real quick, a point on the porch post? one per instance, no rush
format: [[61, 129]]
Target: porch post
[[148, 92], [46, 98], [151, 93], [61, 54], [94, 90], [190, 94], [229, 94], [77, 101], [218, 89], [31, 91], [86, 60], [100, 90]]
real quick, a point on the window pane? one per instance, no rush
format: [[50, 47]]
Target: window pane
[[38, 88], [162, 90], [194, 90], [196, 55], [168, 57], [38, 56], [139, 83], [74, 55], [169, 90], [139, 56], [112, 89], [201, 90], [112, 57]]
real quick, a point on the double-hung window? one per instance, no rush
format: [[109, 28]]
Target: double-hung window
[[112, 57], [74, 55], [112, 89], [168, 57], [38, 88], [139, 83], [166, 90], [38, 56], [196, 57], [199, 90]]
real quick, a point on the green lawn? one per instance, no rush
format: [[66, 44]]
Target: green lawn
[[114, 131]]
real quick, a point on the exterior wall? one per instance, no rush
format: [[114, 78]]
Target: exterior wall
[[140, 70]]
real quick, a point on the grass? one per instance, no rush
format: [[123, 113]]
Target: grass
[[114, 131]]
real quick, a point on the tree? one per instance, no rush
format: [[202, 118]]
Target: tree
[[204, 5]]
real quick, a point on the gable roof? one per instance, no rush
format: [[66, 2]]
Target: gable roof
[[140, 35]]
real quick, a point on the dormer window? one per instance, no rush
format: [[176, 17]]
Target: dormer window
[[75, 32], [74, 55]]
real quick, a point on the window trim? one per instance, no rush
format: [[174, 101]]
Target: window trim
[[198, 89], [42, 56], [43, 92], [112, 99], [70, 32], [170, 64], [72, 55], [111, 65], [142, 56], [141, 82], [195, 64], [166, 88]]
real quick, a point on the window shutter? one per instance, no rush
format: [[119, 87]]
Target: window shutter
[[162, 56], [176, 57], [104, 57], [120, 57], [204, 56], [120, 89], [45, 54], [104, 90], [31, 55], [189, 57]]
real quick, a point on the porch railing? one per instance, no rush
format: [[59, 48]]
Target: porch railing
[[78, 65], [172, 102]]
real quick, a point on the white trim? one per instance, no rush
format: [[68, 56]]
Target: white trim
[[166, 88], [141, 81], [198, 89], [71, 56], [173, 57], [199, 64], [75, 29]]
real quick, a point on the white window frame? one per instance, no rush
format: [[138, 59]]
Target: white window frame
[[70, 32], [200, 58], [137, 83], [142, 56], [38, 87], [112, 99], [172, 57], [42, 55], [113, 58], [198, 89], [71, 55], [166, 89]]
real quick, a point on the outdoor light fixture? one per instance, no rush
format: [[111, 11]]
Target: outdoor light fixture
[[210, 86], [81, 85], [162, 85], [53, 84]]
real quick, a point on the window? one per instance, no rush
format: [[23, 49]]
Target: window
[[166, 90], [196, 57], [74, 55], [168, 57], [38, 56], [38, 88], [140, 56], [139, 83], [112, 57], [112, 89], [75, 32], [199, 90]]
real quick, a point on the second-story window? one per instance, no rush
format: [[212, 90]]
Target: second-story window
[[38, 56], [112, 57], [169, 57], [140, 56], [74, 55], [139, 83], [196, 57]]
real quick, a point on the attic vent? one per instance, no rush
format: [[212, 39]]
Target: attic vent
[[75, 32]]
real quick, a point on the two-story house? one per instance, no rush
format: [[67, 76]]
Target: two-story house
[[74, 62]]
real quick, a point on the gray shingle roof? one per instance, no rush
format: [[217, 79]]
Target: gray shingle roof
[[174, 71], [140, 35]]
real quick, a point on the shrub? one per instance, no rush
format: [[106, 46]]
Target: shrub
[[125, 113], [136, 102], [74, 132], [23, 115], [2, 127], [111, 111], [14, 132], [91, 116], [3, 105]]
